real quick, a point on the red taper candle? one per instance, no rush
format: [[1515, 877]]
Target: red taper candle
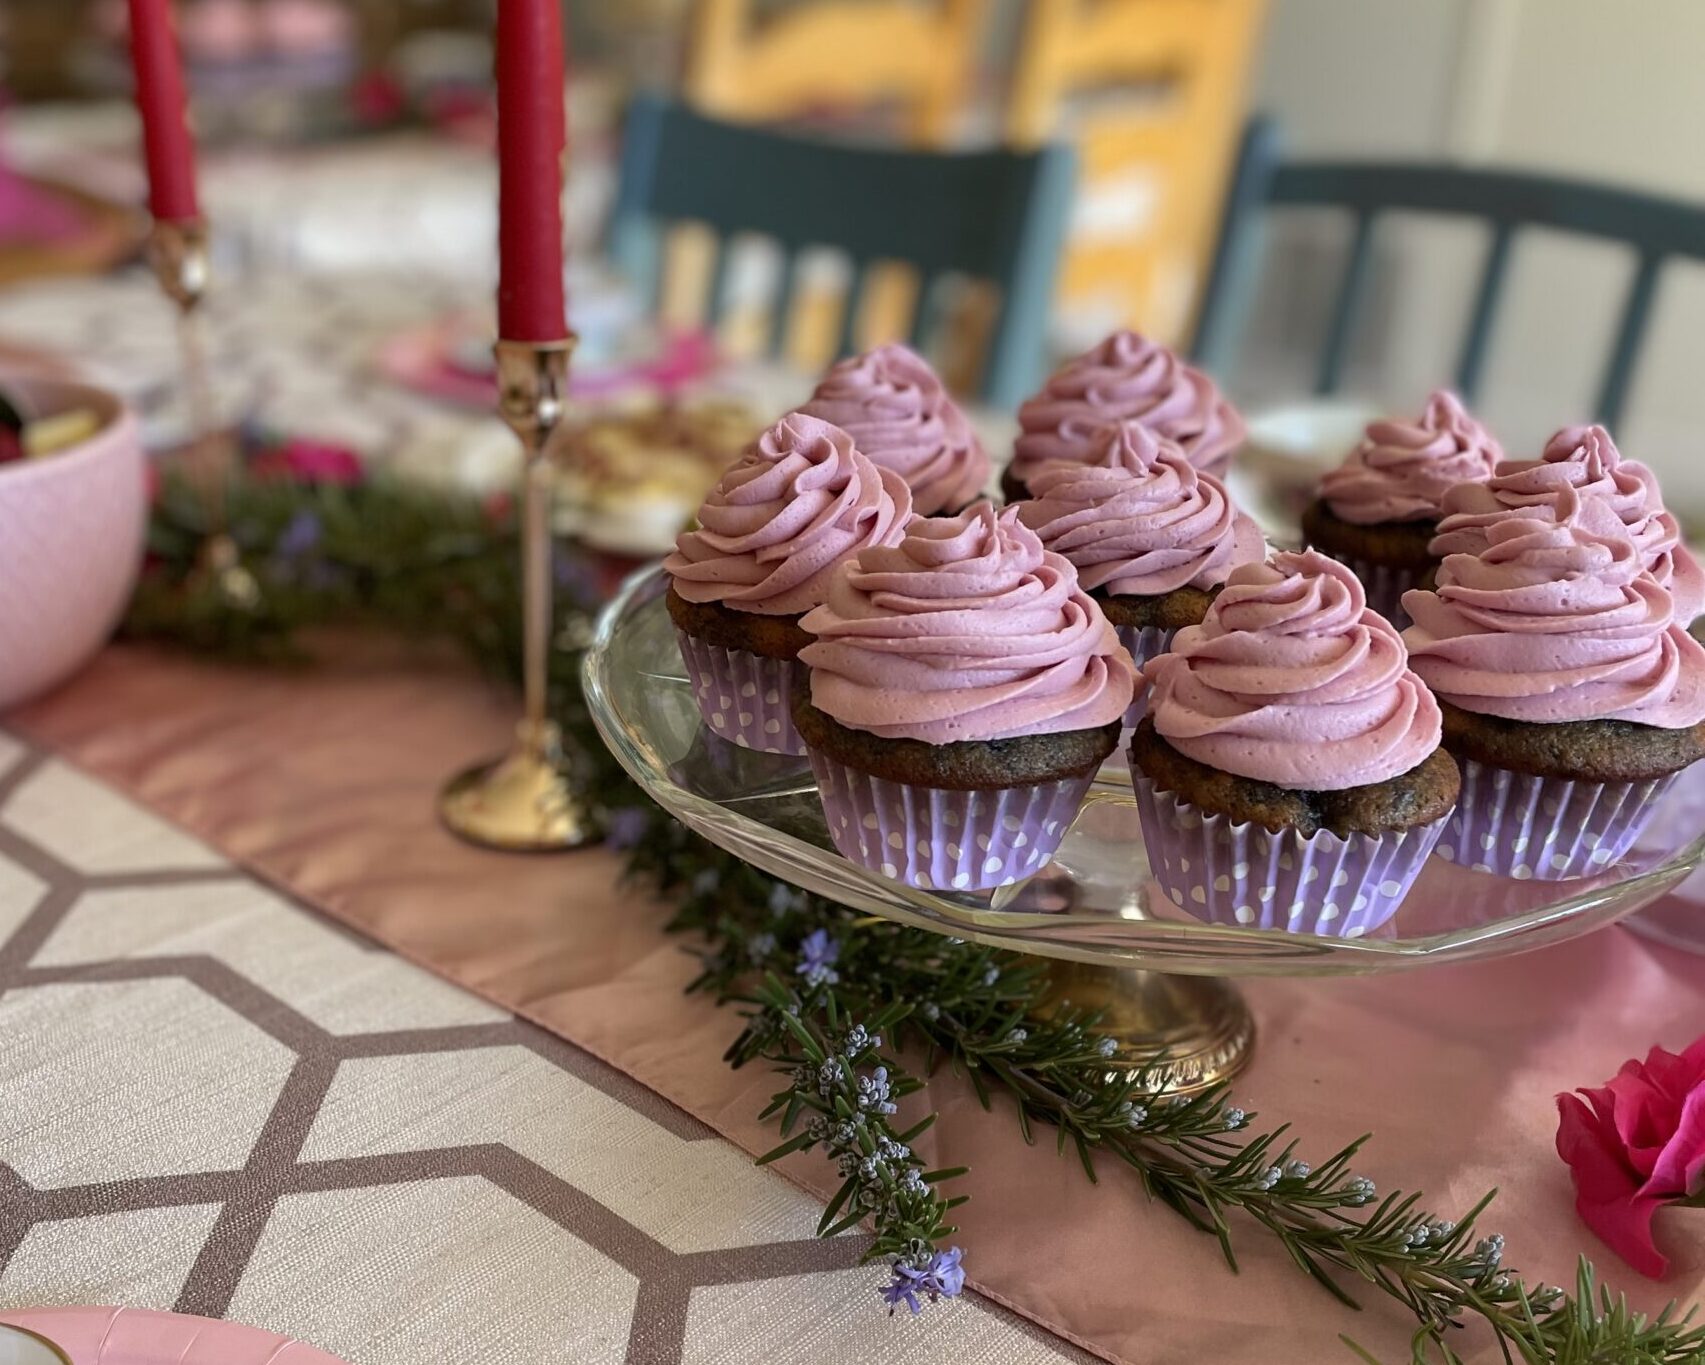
[[530, 134], [160, 99]]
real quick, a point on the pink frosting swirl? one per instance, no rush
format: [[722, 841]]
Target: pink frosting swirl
[[1126, 376], [1140, 519], [1401, 470], [1581, 464], [1552, 622], [781, 518], [1292, 680], [966, 630], [897, 411]]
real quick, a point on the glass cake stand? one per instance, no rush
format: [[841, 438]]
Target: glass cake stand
[[1117, 942]]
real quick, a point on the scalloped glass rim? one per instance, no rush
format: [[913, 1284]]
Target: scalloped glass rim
[[759, 807]]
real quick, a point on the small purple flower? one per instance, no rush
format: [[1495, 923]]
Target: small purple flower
[[573, 576], [817, 954], [873, 1092], [626, 827], [300, 537], [294, 553], [941, 1278]]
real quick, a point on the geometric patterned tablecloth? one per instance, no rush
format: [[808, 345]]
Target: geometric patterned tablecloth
[[214, 1100]]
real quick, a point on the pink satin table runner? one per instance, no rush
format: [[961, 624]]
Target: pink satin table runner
[[321, 780]]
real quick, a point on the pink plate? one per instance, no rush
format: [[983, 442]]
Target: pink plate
[[425, 359], [142, 1336]]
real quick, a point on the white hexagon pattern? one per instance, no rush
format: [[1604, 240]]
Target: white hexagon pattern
[[216, 1102]]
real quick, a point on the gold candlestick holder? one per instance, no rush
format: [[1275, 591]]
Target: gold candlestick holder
[[524, 801], [178, 254]]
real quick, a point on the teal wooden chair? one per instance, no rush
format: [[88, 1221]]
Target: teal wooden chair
[[1653, 227], [998, 216]]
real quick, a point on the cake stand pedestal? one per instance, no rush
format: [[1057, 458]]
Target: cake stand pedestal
[[1188, 1032]]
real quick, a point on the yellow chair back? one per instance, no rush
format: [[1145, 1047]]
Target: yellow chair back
[[839, 54], [1160, 84]]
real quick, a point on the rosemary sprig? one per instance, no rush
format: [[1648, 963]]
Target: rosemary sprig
[[980, 1011], [835, 1002]]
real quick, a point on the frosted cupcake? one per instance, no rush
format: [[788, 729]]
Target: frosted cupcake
[[1571, 696], [1152, 538], [1582, 460], [1379, 510], [1126, 377], [899, 413], [963, 691], [1288, 774], [770, 534]]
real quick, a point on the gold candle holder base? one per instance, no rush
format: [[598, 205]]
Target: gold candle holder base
[[1192, 1031], [525, 802], [520, 803]]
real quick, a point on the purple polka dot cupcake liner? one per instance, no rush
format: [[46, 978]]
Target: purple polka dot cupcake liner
[[1546, 828], [942, 840], [1384, 585], [1249, 876], [744, 698]]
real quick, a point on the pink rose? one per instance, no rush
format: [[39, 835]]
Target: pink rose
[[305, 461], [376, 97], [1640, 1145]]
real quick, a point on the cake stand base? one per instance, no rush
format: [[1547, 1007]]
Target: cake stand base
[[1193, 1031]]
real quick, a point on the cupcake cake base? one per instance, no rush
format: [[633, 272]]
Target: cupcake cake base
[[941, 839], [1233, 850], [744, 698], [1557, 801], [964, 816], [1223, 872], [1547, 828], [741, 665]]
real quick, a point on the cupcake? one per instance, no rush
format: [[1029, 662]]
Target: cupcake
[[1571, 696], [1379, 510], [1152, 538], [899, 414], [769, 536], [1583, 461], [962, 692], [1126, 376], [1288, 774]]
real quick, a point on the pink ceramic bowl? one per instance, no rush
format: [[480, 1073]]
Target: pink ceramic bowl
[[71, 532]]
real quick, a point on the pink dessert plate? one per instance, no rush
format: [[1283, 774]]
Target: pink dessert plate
[[142, 1336], [450, 360]]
